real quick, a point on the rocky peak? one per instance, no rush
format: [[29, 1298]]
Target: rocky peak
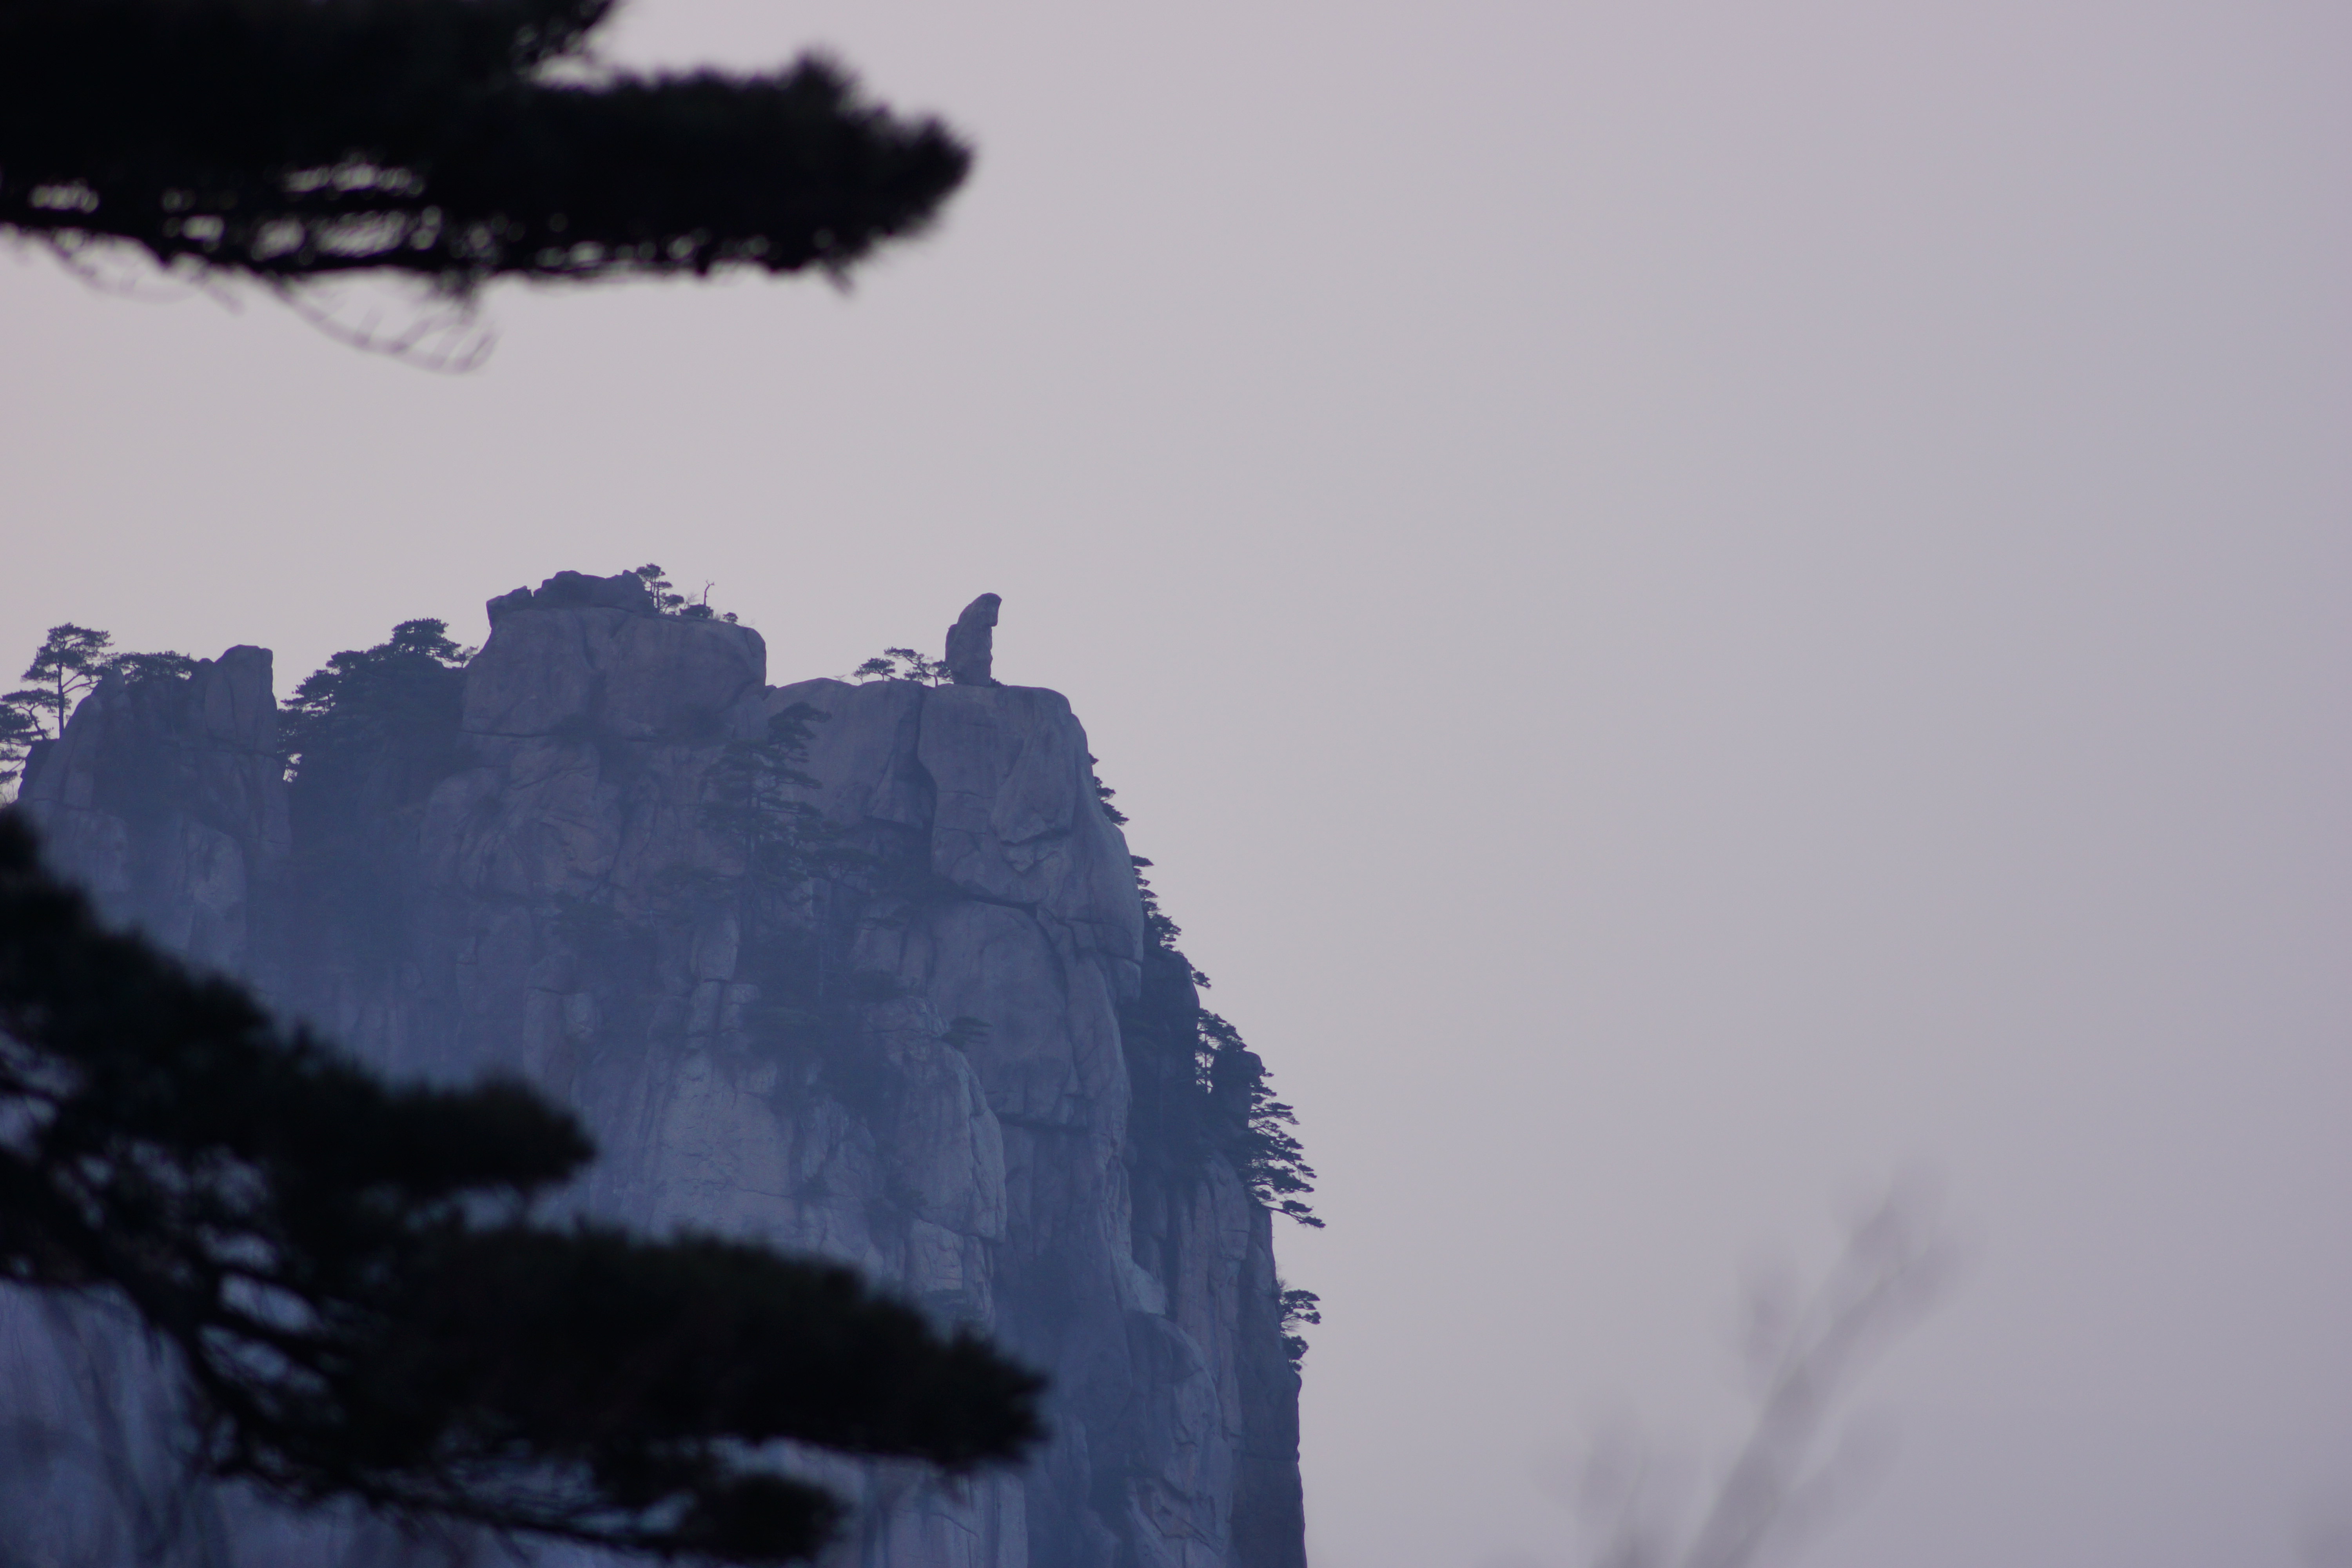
[[914, 1026], [578, 591]]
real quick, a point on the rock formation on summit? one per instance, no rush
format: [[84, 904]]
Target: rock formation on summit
[[577, 590], [971, 644], [859, 970]]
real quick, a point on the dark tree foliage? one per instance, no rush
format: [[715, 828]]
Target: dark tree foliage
[[804, 888], [902, 664], [368, 735], [71, 661], [1201, 1093], [292, 138], [670, 602], [20, 731], [756, 806], [1225, 1094], [359, 700], [1105, 794], [138, 667], [366, 697], [352, 1277], [1270, 1159], [1299, 1308], [69, 664]]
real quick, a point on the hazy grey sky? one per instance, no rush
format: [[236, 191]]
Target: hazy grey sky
[[1697, 602]]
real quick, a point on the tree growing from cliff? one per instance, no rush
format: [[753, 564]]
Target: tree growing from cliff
[[368, 735], [353, 1281], [1299, 1307], [451, 141], [756, 804], [1272, 1162], [365, 701], [1199, 1088], [902, 664], [1250, 1126], [670, 602], [20, 726], [69, 663]]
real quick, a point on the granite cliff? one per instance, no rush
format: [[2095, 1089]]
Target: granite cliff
[[864, 969]]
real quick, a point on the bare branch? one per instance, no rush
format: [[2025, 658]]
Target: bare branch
[[1807, 1355]]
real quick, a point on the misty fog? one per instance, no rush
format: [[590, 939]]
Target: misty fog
[[1701, 608]]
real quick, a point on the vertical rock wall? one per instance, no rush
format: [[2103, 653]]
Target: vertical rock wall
[[914, 1062]]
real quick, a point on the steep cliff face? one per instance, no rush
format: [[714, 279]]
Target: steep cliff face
[[862, 970], [166, 798]]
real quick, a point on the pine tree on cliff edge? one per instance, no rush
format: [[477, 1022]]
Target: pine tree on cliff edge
[[365, 1307], [287, 140]]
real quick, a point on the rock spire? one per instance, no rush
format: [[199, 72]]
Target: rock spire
[[971, 643]]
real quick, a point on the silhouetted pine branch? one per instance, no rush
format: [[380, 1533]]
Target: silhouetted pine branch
[[364, 1307], [295, 139]]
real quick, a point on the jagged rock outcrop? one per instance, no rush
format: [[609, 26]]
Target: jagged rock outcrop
[[911, 1026]]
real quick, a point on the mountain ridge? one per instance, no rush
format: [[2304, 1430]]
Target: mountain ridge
[[862, 970]]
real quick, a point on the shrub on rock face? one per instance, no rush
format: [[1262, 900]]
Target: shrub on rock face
[[364, 1307]]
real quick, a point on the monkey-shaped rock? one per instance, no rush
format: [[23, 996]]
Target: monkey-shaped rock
[[971, 643]]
